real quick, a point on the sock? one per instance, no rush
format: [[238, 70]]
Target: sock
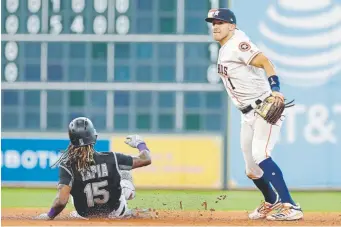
[[274, 175], [268, 192]]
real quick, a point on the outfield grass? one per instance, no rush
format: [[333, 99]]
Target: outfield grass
[[170, 200]]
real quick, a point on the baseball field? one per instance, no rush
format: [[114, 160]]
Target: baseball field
[[167, 207]]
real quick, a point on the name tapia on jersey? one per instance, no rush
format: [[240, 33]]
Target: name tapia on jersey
[[95, 171]]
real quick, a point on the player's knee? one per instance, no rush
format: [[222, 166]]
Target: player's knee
[[128, 189], [250, 175], [254, 173], [128, 193]]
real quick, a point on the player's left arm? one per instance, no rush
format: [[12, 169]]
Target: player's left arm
[[144, 157], [261, 61], [60, 201], [63, 194]]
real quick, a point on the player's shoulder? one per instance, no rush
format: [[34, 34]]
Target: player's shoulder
[[64, 164], [104, 153], [104, 157], [241, 41], [241, 36]]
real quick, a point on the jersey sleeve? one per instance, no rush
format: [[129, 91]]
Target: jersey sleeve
[[65, 175], [125, 162], [246, 51]]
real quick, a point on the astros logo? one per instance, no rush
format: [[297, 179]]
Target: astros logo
[[244, 46], [216, 13]]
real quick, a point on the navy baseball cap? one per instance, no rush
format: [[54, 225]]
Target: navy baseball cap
[[222, 14]]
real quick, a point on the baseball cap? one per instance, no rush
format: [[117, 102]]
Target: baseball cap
[[222, 14]]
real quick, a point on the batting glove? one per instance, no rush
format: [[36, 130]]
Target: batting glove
[[134, 140], [43, 217]]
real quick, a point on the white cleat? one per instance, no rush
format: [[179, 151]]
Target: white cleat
[[74, 214], [264, 209], [288, 212], [141, 213]]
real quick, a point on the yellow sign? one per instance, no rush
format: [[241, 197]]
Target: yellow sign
[[178, 161]]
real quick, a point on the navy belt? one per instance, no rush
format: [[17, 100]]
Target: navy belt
[[248, 108]]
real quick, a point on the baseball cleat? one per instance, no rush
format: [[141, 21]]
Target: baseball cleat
[[264, 209], [74, 214], [140, 213], [288, 212]]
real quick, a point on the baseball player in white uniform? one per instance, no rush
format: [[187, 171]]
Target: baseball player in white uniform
[[249, 77]]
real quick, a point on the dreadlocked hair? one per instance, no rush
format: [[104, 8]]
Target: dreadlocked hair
[[81, 157]]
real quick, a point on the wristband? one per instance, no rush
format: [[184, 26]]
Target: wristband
[[274, 83], [142, 147], [52, 213]]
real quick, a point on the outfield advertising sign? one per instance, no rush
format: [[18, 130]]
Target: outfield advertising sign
[[178, 161], [30, 160]]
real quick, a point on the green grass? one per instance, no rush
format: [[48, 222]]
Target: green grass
[[170, 200]]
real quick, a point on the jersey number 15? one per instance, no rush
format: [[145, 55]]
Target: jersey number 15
[[93, 189]]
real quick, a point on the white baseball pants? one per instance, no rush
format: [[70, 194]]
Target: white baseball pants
[[257, 139]]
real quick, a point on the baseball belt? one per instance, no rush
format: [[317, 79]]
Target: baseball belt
[[250, 107]]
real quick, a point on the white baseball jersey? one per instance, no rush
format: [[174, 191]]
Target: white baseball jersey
[[244, 83]]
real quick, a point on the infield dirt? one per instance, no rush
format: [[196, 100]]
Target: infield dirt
[[24, 217]]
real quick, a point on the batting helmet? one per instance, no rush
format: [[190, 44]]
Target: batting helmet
[[222, 14], [82, 132]]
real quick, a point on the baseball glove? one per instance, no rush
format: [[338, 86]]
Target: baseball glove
[[270, 111]]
